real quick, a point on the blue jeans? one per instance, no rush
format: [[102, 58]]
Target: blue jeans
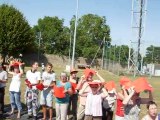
[[15, 99]]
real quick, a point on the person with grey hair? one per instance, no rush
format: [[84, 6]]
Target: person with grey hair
[[62, 91]]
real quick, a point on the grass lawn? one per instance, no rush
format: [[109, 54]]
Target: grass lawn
[[154, 81]]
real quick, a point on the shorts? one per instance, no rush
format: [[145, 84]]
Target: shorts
[[46, 98]]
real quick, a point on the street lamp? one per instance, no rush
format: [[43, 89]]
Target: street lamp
[[74, 40]]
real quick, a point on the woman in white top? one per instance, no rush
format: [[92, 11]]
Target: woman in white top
[[93, 108], [14, 89]]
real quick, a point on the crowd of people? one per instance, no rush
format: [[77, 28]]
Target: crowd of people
[[84, 97]]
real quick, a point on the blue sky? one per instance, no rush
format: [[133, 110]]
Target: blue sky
[[117, 12]]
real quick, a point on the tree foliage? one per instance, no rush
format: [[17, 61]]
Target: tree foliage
[[118, 54], [55, 36], [152, 54], [91, 30], [16, 35]]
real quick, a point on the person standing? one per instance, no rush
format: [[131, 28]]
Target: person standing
[[108, 105], [93, 107], [119, 112], [3, 80], [132, 103], [34, 77], [74, 97], [83, 85], [14, 89], [62, 91], [46, 97]]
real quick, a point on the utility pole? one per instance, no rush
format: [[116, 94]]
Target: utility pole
[[106, 55], [152, 54], [74, 40], [119, 61], [138, 27], [39, 44], [151, 68], [129, 58], [142, 64], [70, 45], [104, 44], [109, 57], [114, 58]]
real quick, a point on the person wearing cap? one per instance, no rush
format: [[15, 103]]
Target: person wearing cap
[[14, 89], [34, 77], [93, 107], [83, 85], [3, 80], [62, 91], [46, 97], [119, 113], [108, 102], [132, 102], [74, 97]]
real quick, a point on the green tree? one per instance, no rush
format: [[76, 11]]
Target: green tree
[[152, 54], [16, 35], [118, 54], [55, 36], [91, 30]]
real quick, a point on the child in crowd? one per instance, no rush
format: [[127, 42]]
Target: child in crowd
[[46, 97], [14, 89], [108, 102], [83, 85], [93, 107], [31, 96], [73, 101], [119, 113], [132, 99]]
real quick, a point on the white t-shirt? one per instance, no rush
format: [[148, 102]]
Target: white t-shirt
[[48, 78], [93, 105], [4, 77], [33, 77], [15, 83]]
